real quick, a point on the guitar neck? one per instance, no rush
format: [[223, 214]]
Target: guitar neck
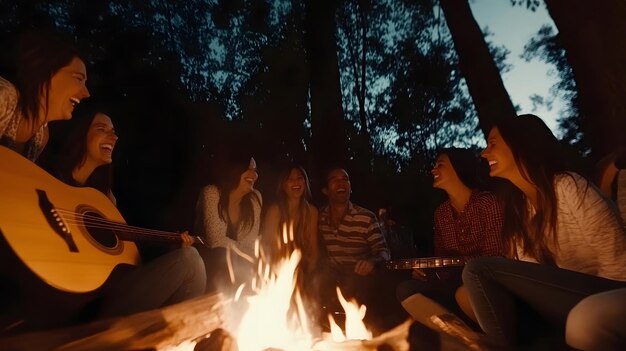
[[153, 235], [427, 262]]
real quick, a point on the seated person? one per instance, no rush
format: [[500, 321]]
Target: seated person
[[353, 244], [49, 83], [569, 241], [228, 217], [85, 160], [293, 209], [467, 225]]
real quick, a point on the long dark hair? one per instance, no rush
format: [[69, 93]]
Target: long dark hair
[[39, 56], [229, 167], [539, 157], [74, 150], [468, 166], [303, 207]]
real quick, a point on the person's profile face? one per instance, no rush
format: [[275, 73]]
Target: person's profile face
[[499, 155], [249, 176], [444, 173], [67, 89]]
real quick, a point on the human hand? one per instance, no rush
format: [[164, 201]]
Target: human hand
[[186, 238], [418, 274], [364, 267]]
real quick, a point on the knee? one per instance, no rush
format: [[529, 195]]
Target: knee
[[585, 325], [192, 262], [480, 266]]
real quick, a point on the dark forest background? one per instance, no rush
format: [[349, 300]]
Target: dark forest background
[[378, 85]]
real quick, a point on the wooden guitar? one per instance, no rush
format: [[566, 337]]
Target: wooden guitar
[[426, 262], [71, 238]]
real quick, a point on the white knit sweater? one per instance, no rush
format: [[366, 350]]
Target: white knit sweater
[[209, 224], [590, 233]]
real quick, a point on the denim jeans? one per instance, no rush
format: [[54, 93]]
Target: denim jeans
[[502, 290], [597, 322], [168, 279]]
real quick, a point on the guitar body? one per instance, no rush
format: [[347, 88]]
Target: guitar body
[[43, 222]]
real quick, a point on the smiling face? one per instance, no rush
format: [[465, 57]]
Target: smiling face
[[67, 89], [500, 157], [443, 173], [294, 185], [249, 177], [101, 139], [338, 186]]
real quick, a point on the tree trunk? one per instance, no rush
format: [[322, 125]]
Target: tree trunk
[[329, 141], [477, 66], [593, 35]]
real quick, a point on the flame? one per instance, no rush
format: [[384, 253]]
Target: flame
[[269, 323], [355, 328], [266, 323]]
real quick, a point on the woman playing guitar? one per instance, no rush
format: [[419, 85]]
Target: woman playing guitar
[[129, 287]]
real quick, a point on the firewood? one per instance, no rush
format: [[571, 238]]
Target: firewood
[[154, 329]]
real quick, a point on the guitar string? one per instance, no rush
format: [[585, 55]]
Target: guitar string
[[71, 217]]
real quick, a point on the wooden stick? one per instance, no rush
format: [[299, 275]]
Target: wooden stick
[[152, 329]]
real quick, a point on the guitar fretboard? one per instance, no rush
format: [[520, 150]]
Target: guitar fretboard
[[429, 262]]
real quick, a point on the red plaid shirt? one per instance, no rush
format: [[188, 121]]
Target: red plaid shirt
[[476, 231]]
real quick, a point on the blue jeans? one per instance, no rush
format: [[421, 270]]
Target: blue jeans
[[597, 322], [502, 291], [173, 277]]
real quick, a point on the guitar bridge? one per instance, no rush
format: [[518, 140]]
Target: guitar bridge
[[55, 221]]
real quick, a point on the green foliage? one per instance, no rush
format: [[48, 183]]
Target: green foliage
[[530, 4], [414, 96], [189, 77]]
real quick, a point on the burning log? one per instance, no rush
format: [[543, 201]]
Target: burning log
[[396, 339], [153, 329]]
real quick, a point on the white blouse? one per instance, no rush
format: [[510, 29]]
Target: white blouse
[[590, 233], [10, 118], [213, 228]]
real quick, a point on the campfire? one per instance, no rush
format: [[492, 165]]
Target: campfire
[[271, 322]]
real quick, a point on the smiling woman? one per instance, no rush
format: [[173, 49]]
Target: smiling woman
[[86, 156], [228, 216], [49, 82], [292, 208]]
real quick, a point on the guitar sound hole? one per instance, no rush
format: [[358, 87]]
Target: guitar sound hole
[[96, 227]]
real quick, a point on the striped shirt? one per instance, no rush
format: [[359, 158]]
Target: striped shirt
[[358, 236]]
